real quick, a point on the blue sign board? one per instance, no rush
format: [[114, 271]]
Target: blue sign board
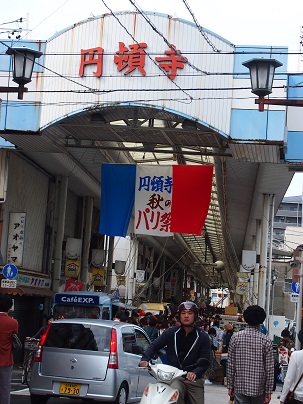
[[10, 271], [295, 287], [77, 298]]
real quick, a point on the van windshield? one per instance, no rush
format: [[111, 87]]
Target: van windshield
[[78, 336], [76, 311]]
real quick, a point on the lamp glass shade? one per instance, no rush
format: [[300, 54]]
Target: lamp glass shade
[[23, 62], [262, 75]]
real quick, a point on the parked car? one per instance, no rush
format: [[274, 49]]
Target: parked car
[[90, 359]]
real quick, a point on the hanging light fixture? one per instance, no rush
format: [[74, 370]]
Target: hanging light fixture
[[262, 73], [23, 64]]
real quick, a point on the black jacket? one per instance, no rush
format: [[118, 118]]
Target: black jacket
[[200, 348]]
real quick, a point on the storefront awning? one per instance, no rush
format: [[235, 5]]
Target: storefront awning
[[27, 291]]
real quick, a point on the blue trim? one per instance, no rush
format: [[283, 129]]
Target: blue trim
[[294, 92], [250, 124], [252, 52], [6, 144], [22, 117], [294, 151], [5, 60]]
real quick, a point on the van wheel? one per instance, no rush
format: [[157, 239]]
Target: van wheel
[[36, 399], [122, 395]]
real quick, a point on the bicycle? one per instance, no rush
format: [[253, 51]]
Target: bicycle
[[30, 347]]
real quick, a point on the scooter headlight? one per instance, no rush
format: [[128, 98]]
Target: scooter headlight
[[164, 376]]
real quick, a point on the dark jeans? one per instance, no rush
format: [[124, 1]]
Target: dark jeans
[[242, 399], [5, 384]]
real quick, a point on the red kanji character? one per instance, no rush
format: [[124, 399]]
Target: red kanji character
[[165, 222], [133, 58], [93, 56], [172, 62]]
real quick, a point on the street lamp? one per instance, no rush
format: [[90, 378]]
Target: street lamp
[[261, 75], [23, 64]]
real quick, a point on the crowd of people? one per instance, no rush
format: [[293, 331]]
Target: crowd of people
[[189, 333]]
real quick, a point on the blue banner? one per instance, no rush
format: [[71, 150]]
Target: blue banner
[[118, 183]]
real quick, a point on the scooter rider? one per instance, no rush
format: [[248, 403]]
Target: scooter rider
[[184, 345]]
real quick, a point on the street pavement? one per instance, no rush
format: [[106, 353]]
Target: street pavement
[[215, 393]]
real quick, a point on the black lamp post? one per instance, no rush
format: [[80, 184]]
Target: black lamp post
[[261, 75], [23, 64]]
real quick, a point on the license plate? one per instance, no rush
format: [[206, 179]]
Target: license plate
[[70, 388]]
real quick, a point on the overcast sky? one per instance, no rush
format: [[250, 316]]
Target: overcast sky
[[260, 22]]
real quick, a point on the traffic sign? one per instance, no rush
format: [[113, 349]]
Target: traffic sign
[[8, 283], [10, 271], [295, 287], [294, 297]]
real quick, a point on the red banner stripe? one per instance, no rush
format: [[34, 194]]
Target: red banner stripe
[[192, 186]]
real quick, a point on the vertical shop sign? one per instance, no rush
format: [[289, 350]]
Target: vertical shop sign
[[15, 242]]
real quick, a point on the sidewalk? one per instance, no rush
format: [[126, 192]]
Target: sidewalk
[[216, 393]]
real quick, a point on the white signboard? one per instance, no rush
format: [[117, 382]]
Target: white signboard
[[27, 280], [15, 240], [294, 297], [276, 325], [8, 283]]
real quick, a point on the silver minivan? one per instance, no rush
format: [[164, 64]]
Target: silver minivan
[[90, 359]]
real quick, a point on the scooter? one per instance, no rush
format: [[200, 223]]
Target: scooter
[[161, 392]]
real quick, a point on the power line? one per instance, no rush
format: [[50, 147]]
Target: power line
[[144, 51], [163, 37], [214, 48]]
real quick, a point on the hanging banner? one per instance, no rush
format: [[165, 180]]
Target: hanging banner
[[98, 276], [242, 288], [121, 280], [249, 260], [72, 269], [167, 199], [15, 239], [140, 274], [72, 285]]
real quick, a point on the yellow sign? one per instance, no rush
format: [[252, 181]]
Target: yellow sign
[[98, 275], [167, 294], [72, 269], [121, 280]]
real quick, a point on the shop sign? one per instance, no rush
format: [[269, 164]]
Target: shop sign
[[35, 281], [72, 268], [132, 58], [15, 239], [241, 288], [98, 275], [121, 280]]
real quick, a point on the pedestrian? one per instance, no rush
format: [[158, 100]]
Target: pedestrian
[[228, 333], [211, 372], [293, 375], [184, 345], [286, 341], [41, 331], [8, 327], [250, 362], [151, 329]]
